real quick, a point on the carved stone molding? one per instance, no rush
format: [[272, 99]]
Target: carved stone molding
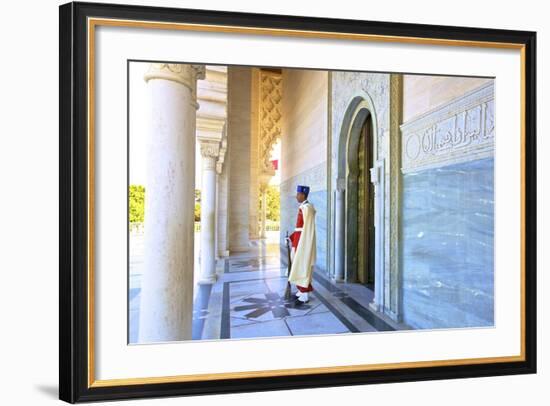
[[212, 114], [210, 128], [223, 152], [458, 131], [210, 149], [271, 89], [185, 74], [378, 178], [212, 97]]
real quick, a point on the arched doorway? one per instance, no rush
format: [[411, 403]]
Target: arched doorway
[[360, 201], [355, 233], [365, 206]]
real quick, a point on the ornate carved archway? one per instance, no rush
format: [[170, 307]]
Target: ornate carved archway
[[360, 108]]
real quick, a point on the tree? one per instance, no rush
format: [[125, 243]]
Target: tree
[[137, 203], [273, 203]]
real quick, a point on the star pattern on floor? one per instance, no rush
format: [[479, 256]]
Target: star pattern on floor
[[272, 302]]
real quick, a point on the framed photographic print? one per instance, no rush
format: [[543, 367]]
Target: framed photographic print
[[254, 202]]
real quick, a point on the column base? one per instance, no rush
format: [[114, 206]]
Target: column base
[[208, 281], [374, 306], [223, 254], [394, 316]]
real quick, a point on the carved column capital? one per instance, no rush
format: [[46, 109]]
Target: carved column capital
[[209, 152], [182, 73]]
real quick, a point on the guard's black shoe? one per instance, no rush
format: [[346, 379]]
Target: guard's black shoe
[[299, 303]]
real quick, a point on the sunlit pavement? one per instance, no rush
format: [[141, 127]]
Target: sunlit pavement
[[247, 300]]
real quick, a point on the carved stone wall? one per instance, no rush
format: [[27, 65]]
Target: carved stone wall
[[271, 95], [458, 131], [347, 85], [375, 89], [448, 213]]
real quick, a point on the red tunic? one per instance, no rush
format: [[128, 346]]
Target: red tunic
[[295, 238]]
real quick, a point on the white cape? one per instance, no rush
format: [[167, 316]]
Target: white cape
[[306, 251]]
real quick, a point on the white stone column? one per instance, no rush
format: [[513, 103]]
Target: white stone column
[[340, 237], [239, 129], [216, 219], [212, 137], [166, 308], [378, 180], [223, 191], [263, 214], [264, 179], [255, 167], [209, 153]]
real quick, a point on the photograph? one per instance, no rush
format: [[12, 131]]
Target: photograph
[[273, 201], [254, 202]]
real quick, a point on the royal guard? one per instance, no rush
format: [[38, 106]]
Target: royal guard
[[304, 248]]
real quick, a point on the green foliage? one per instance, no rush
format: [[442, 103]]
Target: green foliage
[[273, 203], [197, 211], [137, 203], [197, 205]]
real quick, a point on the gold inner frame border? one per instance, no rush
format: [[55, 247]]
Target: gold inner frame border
[[92, 23]]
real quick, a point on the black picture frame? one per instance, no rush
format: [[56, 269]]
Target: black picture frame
[[74, 385]]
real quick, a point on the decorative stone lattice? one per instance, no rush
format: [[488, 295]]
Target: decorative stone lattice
[[270, 116]]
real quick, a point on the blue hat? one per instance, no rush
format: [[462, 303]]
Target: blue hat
[[303, 189]]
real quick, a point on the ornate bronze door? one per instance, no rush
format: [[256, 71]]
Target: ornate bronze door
[[365, 207]]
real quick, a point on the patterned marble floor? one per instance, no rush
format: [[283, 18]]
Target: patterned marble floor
[[248, 301]]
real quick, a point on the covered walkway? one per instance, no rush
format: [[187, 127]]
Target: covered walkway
[[248, 301], [395, 222]]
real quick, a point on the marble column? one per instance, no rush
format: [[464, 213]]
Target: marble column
[[221, 224], [211, 130], [378, 179], [263, 214], [340, 238], [264, 179], [209, 153], [255, 167], [166, 308], [239, 130], [221, 199]]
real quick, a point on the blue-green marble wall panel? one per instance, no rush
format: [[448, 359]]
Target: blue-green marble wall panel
[[448, 232]]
